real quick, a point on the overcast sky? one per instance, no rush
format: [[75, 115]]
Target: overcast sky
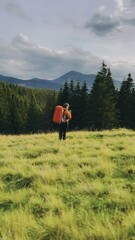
[[47, 38]]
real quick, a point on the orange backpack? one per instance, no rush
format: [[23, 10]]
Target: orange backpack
[[58, 112]]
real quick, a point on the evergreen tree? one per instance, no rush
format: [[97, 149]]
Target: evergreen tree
[[126, 103], [75, 105], [64, 94], [4, 109], [132, 109], [60, 96], [34, 115], [18, 115], [103, 112], [25, 110], [76, 95], [71, 92], [48, 111], [84, 106]]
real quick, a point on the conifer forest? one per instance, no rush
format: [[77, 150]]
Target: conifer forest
[[27, 110]]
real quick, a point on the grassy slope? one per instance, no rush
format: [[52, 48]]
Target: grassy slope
[[80, 189]]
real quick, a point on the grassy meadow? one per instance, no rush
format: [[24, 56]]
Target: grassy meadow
[[79, 189]]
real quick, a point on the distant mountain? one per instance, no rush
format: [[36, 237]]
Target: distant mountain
[[32, 83], [56, 83], [75, 76]]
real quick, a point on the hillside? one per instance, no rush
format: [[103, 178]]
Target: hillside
[[79, 189], [56, 83], [75, 76], [31, 83]]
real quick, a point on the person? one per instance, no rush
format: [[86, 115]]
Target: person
[[63, 126]]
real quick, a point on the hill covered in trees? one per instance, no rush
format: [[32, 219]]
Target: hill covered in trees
[[27, 110], [104, 106], [24, 110]]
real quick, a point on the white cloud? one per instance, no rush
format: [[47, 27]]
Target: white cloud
[[120, 6], [107, 25], [24, 59], [101, 8], [103, 25], [122, 67]]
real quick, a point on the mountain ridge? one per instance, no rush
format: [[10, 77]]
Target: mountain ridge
[[56, 83]]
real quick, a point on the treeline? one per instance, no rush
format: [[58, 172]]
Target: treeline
[[25, 110], [104, 107]]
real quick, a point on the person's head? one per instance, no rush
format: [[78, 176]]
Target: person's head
[[66, 105]]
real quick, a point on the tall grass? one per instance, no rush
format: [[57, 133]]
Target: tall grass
[[79, 189]]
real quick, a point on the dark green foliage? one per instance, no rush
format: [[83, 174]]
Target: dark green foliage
[[79, 102], [70, 199], [17, 181], [64, 94], [38, 210], [97, 109], [126, 103], [6, 205], [102, 105], [24, 110], [100, 174], [77, 96], [4, 107]]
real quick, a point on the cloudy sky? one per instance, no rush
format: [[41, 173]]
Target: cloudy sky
[[47, 38]]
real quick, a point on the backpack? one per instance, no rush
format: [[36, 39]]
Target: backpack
[[58, 113], [64, 116]]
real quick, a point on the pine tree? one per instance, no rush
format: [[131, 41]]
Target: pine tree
[[132, 109], [75, 105], [71, 92], [64, 94], [77, 96], [25, 110], [126, 102], [84, 106], [4, 109], [48, 111], [103, 112], [34, 115]]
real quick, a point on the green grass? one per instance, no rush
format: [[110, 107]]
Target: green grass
[[79, 189]]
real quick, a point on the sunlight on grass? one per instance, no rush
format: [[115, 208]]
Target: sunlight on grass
[[79, 189]]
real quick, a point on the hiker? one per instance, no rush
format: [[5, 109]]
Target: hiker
[[64, 121], [61, 116], [63, 126]]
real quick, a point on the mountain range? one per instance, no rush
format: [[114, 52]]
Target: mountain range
[[56, 83]]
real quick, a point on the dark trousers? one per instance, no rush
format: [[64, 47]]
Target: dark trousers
[[62, 130]]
